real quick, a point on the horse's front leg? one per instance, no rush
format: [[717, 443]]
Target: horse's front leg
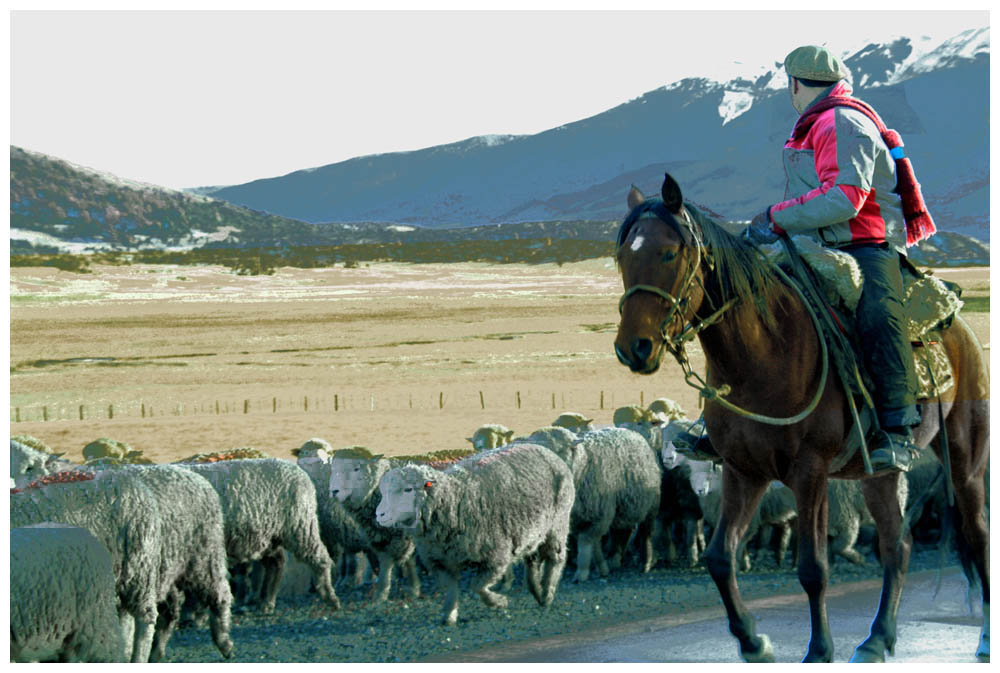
[[740, 497], [812, 504], [882, 499]]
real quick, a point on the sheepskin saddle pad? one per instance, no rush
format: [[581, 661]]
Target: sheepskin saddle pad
[[928, 303]]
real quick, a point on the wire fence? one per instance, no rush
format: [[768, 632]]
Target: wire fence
[[575, 400]]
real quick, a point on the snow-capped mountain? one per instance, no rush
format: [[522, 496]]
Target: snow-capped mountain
[[720, 139]]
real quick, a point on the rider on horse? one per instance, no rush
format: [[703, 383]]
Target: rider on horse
[[841, 189]]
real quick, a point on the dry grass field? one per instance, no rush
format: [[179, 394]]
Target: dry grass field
[[400, 358]]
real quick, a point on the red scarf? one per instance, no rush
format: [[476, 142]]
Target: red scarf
[[919, 224]]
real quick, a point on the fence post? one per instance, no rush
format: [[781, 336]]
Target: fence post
[[642, 402], [17, 415], [305, 403], [81, 412], [553, 400], [441, 400], [246, 406], [411, 400], [482, 402], [274, 405], [111, 412], [518, 399], [336, 403], [216, 407], [602, 399], [45, 413]]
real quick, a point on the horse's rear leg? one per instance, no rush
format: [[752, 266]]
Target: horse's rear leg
[[814, 569], [740, 498], [968, 438], [882, 499]]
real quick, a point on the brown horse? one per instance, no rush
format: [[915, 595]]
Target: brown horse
[[685, 277]]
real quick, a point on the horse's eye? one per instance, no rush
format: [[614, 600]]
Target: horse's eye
[[668, 256]]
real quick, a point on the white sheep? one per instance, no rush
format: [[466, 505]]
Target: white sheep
[[354, 479], [344, 539], [163, 527], [617, 481], [488, 511], [574, 422], [490, 436], [62, 596], [269, 505], [776, 509], [666, 410], [28, 463]]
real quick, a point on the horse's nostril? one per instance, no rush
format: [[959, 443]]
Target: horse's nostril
[[621, 356], [642, 349]]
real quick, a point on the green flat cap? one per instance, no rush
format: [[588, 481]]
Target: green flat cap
[[812, 62]]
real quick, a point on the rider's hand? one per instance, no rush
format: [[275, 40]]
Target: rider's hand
[[760, 231]]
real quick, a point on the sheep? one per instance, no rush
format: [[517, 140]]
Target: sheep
[[630, 414], [574, 422], [666, 410], [105, 451], [269, 505], [337, 528], [163, 528], [848, 511], [617, 481], [62, 596], [488, 510], [28, 463], [490, 437], [354, 479], [776, 509]]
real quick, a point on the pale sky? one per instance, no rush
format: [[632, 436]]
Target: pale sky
[[190, 98]]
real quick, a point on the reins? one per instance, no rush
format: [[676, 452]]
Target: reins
[[676, 345]]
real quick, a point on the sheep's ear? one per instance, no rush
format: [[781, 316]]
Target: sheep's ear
[[671, 193], [634, 198]]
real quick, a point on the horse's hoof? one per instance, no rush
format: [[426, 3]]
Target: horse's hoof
[[765, 655], [864, 655], [983, 652]]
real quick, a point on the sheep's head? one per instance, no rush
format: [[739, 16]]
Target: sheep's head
[[354, 475], [557, 439], [706, 477], [666, 409], [404, 491], [490, 437], [574, 422], [314, 450]]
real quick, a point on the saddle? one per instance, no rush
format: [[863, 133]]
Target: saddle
[[929, 305]]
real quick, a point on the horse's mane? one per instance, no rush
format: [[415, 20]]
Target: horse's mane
[[741, 271]]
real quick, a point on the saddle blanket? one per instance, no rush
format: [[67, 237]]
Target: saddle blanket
[[927, 303]]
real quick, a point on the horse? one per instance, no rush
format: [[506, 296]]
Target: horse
[[686, 278]]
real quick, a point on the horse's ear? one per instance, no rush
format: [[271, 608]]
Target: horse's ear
[[635, 197], [671, 193]]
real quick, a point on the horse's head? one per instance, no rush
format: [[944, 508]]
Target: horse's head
[[659, 256]]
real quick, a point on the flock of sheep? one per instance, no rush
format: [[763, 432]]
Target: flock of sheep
[[127, 549]]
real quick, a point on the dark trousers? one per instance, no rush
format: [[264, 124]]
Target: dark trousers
[[882, 333]]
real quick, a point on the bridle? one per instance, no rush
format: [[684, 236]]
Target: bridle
[[678, 305]]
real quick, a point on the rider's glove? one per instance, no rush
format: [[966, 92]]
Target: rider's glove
[[760, 231]]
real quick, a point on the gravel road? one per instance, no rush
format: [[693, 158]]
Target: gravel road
[[303, 630]]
